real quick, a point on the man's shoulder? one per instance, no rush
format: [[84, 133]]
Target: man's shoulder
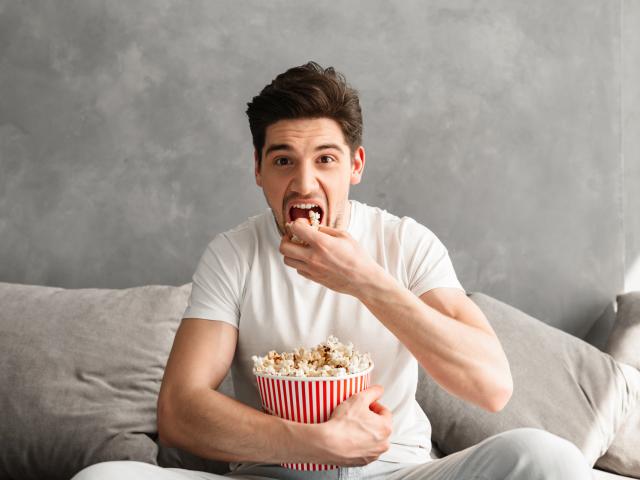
[[391, 221], [244, 236], [255, 222], [372, 212]]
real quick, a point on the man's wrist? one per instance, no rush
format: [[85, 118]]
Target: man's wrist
[[303, 442], [375, 285]]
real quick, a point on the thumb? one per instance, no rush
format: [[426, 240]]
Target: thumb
[[370, 395]]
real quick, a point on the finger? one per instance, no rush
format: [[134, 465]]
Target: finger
[[380, 409], [305, 274], [334, 232], [304, 231], [294, 250], [293, 263], [371, 394], [291, 237]]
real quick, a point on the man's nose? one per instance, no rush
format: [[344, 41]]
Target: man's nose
[[304, 180]]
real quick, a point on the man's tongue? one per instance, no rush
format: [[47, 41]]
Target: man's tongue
[[299, 213]]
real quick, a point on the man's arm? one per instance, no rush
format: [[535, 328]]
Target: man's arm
[[446, 332], [194, 417], [449, 336]]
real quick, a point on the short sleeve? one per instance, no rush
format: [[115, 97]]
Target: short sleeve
[[217, 284], [427, 259]]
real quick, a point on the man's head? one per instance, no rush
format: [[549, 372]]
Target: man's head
[[307, 133], [307, 91]]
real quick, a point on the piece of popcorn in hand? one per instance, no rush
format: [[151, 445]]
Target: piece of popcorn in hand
[[314, 222]]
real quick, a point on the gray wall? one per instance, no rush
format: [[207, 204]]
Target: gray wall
[[500, 125], [630, 110]]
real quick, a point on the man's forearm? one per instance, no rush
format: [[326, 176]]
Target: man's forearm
[[212, 425], [465, 361]]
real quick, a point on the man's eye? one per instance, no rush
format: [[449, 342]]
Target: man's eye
[[326, 159], [282, 161]]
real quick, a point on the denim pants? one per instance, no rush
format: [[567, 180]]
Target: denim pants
[[522, 454]]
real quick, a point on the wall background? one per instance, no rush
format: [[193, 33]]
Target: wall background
[[508, 128]]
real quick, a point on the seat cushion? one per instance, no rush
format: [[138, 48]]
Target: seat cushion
[[602, 475], [624, 341], [623, 456], [561, 384], [81, 371]]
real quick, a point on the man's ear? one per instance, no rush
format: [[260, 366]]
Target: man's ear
[[256, 165], [357, 165]]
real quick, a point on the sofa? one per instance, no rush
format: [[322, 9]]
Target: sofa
[[81, 370]]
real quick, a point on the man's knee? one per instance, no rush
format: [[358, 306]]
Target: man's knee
[[530, 453], [114, 469]]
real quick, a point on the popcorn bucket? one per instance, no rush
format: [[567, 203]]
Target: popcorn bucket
[[308, 400]]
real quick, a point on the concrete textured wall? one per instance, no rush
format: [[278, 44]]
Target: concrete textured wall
[[124, 145], [630, 110]]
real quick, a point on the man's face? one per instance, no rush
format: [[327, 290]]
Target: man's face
[[306, 161]]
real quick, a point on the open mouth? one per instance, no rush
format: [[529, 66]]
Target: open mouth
[[309, 211]]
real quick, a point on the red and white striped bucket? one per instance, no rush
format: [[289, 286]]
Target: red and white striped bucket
[[308, 400]]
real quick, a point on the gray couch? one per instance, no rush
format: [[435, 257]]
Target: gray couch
[[81, 370]]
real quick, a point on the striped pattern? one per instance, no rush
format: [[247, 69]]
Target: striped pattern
[[311, 400]]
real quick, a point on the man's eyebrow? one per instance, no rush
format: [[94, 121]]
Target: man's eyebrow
[[329, 145], [277, 146], [286, 147]]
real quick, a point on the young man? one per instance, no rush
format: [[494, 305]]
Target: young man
[[385, 283]]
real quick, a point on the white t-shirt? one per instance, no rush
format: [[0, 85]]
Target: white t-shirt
[[242, 280]]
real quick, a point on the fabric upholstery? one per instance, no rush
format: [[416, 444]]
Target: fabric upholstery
[[561, 384], [624, 341], [81, 370], [623, 455]]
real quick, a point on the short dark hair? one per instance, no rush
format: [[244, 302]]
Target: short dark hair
[[307, 91]]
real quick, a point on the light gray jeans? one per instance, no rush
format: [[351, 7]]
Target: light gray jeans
[[522, 454]]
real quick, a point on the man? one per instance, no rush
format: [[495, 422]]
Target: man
[[385, 283]]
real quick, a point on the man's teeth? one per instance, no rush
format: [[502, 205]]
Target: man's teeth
[[306, 205]]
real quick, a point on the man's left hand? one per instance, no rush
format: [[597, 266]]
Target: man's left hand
[[330, 257]]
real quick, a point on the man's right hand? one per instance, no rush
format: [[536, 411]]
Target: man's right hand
[[359, 429]]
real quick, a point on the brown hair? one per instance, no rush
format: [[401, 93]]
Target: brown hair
[[307, 91]]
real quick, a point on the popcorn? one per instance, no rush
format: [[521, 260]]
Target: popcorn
[[314, 218], [314, 221], [327, 359], [307, 385]]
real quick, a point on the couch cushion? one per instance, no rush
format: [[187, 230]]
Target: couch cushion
[[624, 340], [602, 475], [624, 345], [561, 384], [81, 370], [623, 455]]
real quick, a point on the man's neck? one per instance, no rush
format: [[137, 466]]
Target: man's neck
[[342, 222]]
